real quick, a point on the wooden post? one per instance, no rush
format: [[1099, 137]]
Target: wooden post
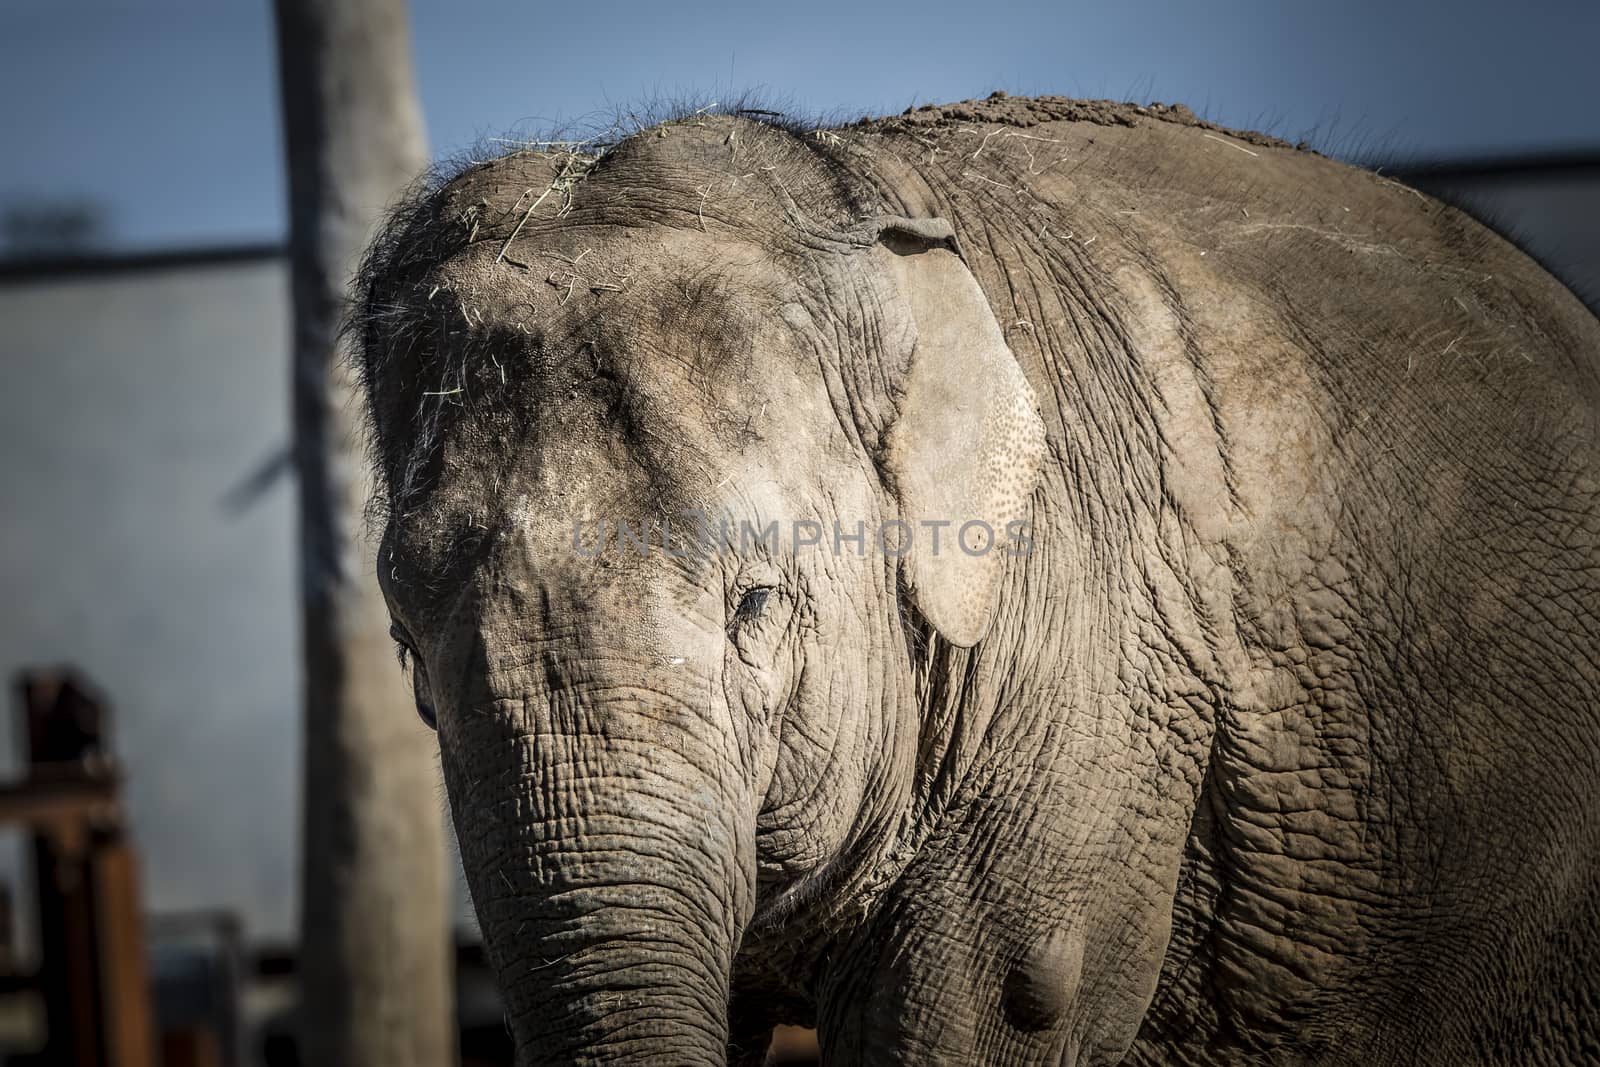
[[376, 962], [127, 1028], [94, 974]]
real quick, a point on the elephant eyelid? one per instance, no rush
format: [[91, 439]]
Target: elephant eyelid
[[419, 678], [751, 604], [403, 647]]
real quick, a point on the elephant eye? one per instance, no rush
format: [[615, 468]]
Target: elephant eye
[[419, 677], [751, 605]]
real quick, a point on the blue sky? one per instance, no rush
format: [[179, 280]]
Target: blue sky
[[165, 111]]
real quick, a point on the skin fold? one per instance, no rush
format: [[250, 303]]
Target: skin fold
[[1278, 743]]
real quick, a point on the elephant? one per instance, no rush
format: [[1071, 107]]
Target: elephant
[[1247, 712]]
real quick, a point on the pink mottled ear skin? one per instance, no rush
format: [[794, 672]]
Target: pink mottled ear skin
[[966, 445]]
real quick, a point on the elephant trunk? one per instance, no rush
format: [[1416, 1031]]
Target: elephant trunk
[[612, 876]]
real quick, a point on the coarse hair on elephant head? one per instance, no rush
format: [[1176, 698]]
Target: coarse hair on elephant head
[[660, 743]]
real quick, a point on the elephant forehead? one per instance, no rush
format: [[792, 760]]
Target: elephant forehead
[[696, 323], [653, 276], [688, 384]]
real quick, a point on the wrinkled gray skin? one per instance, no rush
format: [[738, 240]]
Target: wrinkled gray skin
[[1279, 746]]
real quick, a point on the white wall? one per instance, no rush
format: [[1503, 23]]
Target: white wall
[[133, 404], [136, 408]]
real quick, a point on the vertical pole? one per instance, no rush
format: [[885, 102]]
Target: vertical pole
[[376, 959]]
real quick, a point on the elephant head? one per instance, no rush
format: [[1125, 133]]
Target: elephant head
[[685, 465]]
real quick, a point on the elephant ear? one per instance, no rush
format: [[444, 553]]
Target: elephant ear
[[966, 445]]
